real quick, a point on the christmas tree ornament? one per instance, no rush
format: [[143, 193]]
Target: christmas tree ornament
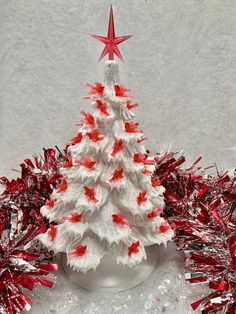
[[107, 208], [105, 204], [202, 211], [24, 262]]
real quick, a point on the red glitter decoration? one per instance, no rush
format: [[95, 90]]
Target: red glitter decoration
[[77, 139], [154, 213], [68, 163], [117, 147], [52, 232], [204, 188], [79, 251], [111, 41], [88, 163], [74, 217], [120, 220], [91, 194], [31, 191], [121, 91], [202, 210], [133, 248], [130, 105], [102, 107], [95, 136], [97, 90], [50, 203], [88, 120], [62, 187], [131, 127], [24, 262], [141, 198], [117, 175]]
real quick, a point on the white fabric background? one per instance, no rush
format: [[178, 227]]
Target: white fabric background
[[180, 66]]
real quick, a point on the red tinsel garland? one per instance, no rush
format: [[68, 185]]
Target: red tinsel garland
[[23, 261], [202, 211]]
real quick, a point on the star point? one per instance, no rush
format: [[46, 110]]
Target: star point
[[111, 41]]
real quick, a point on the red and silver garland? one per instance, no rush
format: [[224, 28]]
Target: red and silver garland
[[202, 211], [23, 261]]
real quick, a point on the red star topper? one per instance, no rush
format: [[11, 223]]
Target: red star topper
[[111, 41]]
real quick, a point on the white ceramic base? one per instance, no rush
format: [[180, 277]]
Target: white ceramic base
[[110, 277]]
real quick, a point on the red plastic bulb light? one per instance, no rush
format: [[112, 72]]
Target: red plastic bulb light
[[50, 203], [133, 248], [141, 198], [91, 194], [117, 175], [62, 187], [96, 90], [74, 217], [119, 220], [95, 136], [77, 139], [102, 107], [79, 251], [117, 147], [52, 233], [88, 163], [131, 127]]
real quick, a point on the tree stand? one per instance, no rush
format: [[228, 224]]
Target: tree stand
[[112, 277]]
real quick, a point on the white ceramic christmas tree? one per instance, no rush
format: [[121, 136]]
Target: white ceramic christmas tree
[[107, 203]]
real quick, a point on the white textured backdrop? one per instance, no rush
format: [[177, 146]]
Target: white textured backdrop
[[180, 66]]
